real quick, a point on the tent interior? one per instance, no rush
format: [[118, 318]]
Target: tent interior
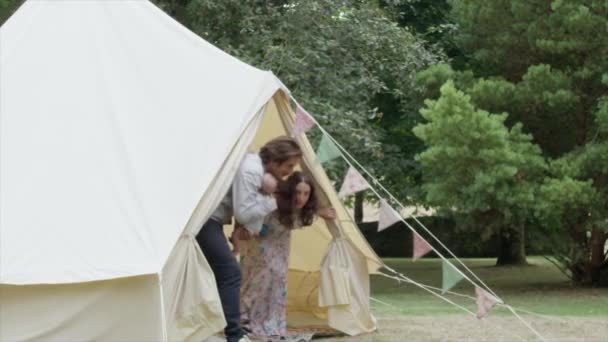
[[310, 245]]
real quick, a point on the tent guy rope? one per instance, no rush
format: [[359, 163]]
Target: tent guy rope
[[350, 160]]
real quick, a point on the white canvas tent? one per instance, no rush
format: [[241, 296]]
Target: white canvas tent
[[120, 131]]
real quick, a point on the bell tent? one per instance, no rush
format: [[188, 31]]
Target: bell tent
[[120, 132]]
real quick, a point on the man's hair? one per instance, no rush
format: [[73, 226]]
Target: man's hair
[[279, 150]]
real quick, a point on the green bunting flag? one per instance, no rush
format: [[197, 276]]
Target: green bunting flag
[[327, 150], [451, 276]]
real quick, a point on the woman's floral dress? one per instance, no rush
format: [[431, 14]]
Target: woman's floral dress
[[264, 265]]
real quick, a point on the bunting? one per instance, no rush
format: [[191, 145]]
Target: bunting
[[303, 122], [327, 150], [450, 276], [353, 183], [388, 216], [421, 247], [485, 302]]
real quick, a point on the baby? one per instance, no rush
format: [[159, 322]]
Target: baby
[[269, 187]]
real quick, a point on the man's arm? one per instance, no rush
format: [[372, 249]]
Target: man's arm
[[250, 205]]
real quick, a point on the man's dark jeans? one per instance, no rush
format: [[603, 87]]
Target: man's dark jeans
[[227, 272]]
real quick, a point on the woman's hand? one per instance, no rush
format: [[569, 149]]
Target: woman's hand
[[327, 213]]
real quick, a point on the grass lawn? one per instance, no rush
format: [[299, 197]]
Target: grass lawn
[[566, 313], [539, 287]]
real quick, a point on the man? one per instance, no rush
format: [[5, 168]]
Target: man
[[250, 205]]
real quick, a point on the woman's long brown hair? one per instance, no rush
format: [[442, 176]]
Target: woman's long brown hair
[[285, 201]]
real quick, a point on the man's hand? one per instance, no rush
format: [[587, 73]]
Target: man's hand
[[269, 184], [235, 241], [327, 213], [240, 232]]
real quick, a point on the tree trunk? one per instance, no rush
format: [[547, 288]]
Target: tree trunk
[[598, 239], [359, 207], [511, 246]]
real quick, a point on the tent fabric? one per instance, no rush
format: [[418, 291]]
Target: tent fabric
[[114, 121], [125, 309], [120, 132], [190, 291], [344, 288]]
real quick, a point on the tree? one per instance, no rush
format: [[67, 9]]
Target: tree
[[508, 37], [345, 61], [544, 64], [499, 193], [575, 209], [7, 8], [430, 20]]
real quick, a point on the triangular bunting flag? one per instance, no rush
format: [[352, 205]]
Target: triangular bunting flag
[[387, 217], [421, 247], [353, 182], [485, 302], [327, 150], [302, 123], [450, 276]]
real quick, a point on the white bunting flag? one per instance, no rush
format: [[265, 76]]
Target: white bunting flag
[[388, 216], [485, 302], [303, 122], [353, 183]]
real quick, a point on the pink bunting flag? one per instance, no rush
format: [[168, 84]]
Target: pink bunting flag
[[421, 247], [387, 217], [353, 182], [485, 302], [303, 122]]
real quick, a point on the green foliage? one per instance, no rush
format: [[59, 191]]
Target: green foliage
[[554, 50], [601, 116], [507, 36], [429, 20], [557, 196], [345, 61], [544, 63], [7, 7], [474, 164], [542, 101]]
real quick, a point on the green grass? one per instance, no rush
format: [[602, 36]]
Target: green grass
[[539, 287]]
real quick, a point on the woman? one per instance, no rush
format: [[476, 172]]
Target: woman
[[265, 260]]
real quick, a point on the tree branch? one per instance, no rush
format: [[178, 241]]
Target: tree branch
[[562, 269]]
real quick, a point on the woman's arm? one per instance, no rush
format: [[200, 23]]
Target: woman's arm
[[327, 214]]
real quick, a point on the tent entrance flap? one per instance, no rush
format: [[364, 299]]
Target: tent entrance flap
[[192, 305]]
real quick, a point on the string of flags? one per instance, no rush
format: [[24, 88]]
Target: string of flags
[[303, 122], [450, 276], [387, 216], [485, 302], [421, 247], [354, 182], [327, 150]]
